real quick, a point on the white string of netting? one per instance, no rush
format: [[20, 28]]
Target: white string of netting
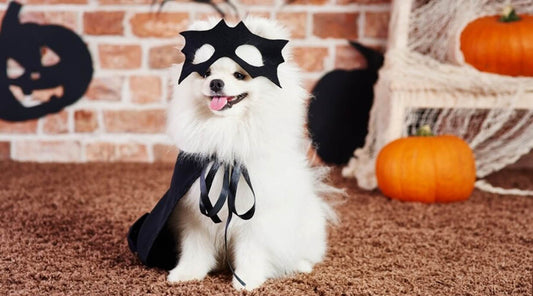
[[432, 65]]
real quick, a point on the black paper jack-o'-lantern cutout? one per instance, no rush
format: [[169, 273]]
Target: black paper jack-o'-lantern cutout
[[23, 42]]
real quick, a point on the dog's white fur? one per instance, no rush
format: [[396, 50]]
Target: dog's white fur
[[265, 132]]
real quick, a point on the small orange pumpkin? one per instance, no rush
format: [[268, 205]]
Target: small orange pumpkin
[[500, 44], [426, 169]]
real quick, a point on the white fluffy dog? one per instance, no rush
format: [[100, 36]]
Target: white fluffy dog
[[256, 123]]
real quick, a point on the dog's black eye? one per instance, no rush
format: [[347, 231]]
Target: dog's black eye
[[239, 75], [207, 74]]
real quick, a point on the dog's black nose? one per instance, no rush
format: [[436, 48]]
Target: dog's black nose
[[216, 84]]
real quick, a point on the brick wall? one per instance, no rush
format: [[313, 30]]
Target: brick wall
[[121, 117]]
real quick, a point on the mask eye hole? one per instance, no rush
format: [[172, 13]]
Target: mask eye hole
[[204, 53], [250, 54]]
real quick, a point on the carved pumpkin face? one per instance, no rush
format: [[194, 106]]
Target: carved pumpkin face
[[24, 43]]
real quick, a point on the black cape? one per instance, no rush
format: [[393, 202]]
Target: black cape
[[149, 236]]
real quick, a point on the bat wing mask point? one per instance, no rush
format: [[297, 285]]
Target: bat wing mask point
[[225, 40]]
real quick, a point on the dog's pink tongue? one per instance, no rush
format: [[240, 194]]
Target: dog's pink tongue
[[217, 103]]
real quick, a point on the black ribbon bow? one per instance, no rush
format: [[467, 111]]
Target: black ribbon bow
[[150, 237], [230, 181]]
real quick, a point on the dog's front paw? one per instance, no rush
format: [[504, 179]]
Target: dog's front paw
[[179, 274], [252, 281]]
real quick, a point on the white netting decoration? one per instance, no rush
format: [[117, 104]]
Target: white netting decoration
[[425, 81]]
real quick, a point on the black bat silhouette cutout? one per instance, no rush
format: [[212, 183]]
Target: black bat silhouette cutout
[[23, 42]]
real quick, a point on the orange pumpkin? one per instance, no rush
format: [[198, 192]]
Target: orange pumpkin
[[500, 44], [426, 169]]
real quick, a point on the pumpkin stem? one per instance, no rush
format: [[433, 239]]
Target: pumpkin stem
[[424, 131], [509, 15]]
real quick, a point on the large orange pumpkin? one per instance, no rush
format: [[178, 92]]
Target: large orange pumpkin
[[500, 44], [426, 169]]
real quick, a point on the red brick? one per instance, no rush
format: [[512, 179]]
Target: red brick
[[263, 14], [230, 19], [56, 123], [162, 57], [100, 152], [165, 153], [145, 89], [105, 88], [309, 2], [120, 56], [47, 151], [362, 1], [335, 25], [85, 121], [202, 16], [125, 2], [377, 24], [256, 2], [47, 2], [170, 89], [310, 59], [348, 58], [19, 127], [68, 19], [135, 121], [130, 152], [5, 150], [162, 25], [103, 23], [296, 22]]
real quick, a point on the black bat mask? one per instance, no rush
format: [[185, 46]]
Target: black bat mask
[[225, 40]]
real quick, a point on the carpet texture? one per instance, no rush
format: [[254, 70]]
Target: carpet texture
[[63, 232]]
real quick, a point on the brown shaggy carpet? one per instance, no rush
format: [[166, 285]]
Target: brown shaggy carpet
[[63, 232]]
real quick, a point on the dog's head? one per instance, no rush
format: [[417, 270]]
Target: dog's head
[[232, 69], [227, 89], [224, 109]]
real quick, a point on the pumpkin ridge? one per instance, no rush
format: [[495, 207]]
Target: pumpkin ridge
[[521, 47], [434, 145], [402, 178]]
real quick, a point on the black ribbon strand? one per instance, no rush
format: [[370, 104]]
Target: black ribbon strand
[[230, 181]]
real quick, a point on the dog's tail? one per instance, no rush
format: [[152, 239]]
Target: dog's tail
[[374, 59]]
